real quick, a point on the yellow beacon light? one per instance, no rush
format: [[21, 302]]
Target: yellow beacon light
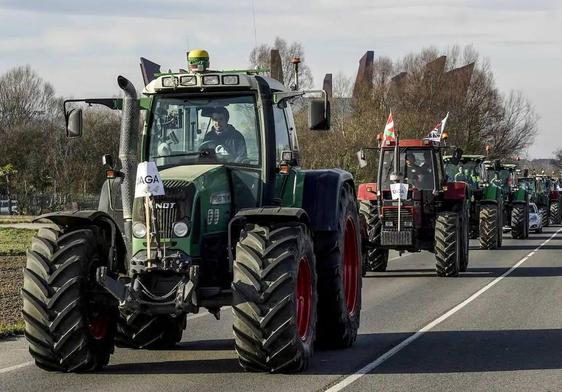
[[198, 60]]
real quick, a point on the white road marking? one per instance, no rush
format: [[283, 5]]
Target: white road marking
[[16, 367], [22, 365], [380, 360]]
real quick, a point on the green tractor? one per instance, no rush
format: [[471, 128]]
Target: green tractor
[[515, 197], [487, 204], [538, 188], [221, 215]]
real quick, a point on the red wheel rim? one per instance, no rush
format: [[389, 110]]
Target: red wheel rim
[[350, 267], [304, 298], [98, 326]]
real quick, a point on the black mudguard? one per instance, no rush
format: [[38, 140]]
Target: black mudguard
[[118, 249], [321, 196]]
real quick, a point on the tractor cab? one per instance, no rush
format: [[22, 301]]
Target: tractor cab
[[420, 165], [469, 169]]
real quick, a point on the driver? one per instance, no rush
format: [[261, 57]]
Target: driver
[[224, 135]]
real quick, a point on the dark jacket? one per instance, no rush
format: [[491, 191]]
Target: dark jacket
[[232, 140]]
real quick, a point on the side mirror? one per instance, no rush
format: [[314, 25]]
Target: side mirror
[[107, 161], [319, 115], [74, 123]]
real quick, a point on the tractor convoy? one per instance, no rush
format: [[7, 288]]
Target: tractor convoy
[[208, 208]]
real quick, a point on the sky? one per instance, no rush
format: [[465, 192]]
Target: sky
[[80, 47]]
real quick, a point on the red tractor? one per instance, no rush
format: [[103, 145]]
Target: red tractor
[[432, 215]]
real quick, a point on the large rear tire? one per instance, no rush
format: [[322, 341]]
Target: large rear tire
[[489, 231], [275, 298], [375, 258], [339, 277], [448, 247], [138, 330], [519, 222], [555, 213], [70, 321]]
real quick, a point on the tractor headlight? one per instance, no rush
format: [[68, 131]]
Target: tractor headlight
[[230, 80], [190, 80], [408, 224], [181, 229], [211, 80], [139, 230], [170, 81], [388, 224]]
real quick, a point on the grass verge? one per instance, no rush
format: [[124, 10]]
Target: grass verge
[[14, 242]]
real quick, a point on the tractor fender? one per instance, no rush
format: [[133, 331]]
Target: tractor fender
[[268, 214], [321, 196], [491, 195], [554, 196], [118, 249], [367, 191], [456, 191]]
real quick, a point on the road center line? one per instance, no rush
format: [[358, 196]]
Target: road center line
[[380, 360]]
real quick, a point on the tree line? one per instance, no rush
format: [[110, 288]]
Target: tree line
[[37, 158]]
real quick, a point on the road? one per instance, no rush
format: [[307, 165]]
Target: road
[[498, 327]]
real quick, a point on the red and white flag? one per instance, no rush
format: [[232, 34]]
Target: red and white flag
[[437, 132], [389, 133]]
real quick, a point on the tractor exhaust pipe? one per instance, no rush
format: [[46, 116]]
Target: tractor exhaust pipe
[[128, 141]]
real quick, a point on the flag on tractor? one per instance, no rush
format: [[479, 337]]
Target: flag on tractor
[[389, 133], [437, 132]]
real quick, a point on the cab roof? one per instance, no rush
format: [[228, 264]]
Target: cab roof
[[422, 143], [208, 81]]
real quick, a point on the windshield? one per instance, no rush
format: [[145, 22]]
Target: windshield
[[527, 184], [464, 171], [415, 164], [203, 130]]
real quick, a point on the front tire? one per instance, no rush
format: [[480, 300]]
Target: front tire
[[70, 321], [555, 213], [544, 217], [274, 292], [142, 331], [489, 231], [339, 277], [447, 244], [519, 222], [375, 259]]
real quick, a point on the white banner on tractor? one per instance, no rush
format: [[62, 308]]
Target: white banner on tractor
[[148, 182], [399, 191]]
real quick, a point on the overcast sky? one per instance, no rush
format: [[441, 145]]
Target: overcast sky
[[80, 47]]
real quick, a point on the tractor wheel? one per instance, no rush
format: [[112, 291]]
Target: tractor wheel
[[376, 259], [138, 330], [448, 247], [69, 322], [274, 293], [489, 232], [555, 213], [339, 277], [545, 217], [465, 243], [519, 222]]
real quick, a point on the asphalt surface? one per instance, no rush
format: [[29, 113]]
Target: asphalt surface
[[498, 327]]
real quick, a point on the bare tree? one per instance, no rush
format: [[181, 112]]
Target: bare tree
[[259, 57], [24, 97]]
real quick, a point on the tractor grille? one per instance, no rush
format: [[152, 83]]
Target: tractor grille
[[174, 206], [391, 215], [166, 218], [397, 238]]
